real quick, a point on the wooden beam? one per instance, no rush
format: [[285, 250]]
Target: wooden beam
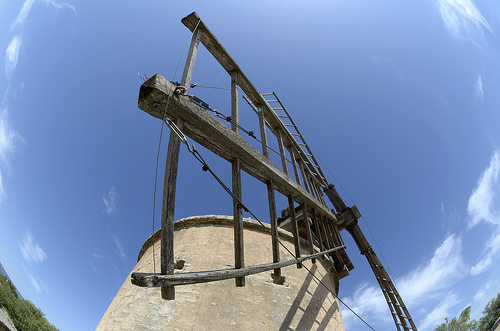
[[209, 132], [305, 218], [273, 218], [184, 278], [168, 208], [239, 260], [191, 58]]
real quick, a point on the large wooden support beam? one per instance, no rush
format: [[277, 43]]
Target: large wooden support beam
[[154, 280], [239, 260], [209, 132], [168, 208]]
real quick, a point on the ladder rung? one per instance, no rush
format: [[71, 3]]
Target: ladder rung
[[266, 94], [301, 144], [289, 125], [282, 116], [272, 100], [295, 134], [278, 109]]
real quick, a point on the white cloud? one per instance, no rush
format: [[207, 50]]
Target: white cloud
[[31, 251], [35, 284], [438, 314], [60, 5], [462, 18], [21, 17], [119, 247], [2, 190], [420, 289], [478, 87], [109, 202], [492, 248], [12, 55], [481, 206]]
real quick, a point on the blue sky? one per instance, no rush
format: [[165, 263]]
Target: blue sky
[[398, 100]]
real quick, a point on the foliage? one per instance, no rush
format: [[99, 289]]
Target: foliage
[[23, 313], [490, 314], [460, 323]]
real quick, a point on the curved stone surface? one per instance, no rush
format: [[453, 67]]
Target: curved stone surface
[[206, 243]]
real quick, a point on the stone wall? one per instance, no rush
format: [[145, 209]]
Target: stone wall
[[5, 322], [206, 243]]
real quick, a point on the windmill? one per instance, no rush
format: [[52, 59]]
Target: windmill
[[298, 177]]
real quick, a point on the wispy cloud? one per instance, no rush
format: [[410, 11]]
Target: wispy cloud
[[481, 205], [420, 288], [12, 55], [462, 19], [60, 5], [21, 17], [478, 87], [35, 284], [440, 312], [491, 251], [109, 202], [119, 247], [31, 251]]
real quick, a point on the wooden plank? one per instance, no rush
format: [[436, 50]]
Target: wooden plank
[[273, 217], [184, 278], [305, 218], [191, 58], [239, 259], [168, 209], [291, 204], [209, 132]]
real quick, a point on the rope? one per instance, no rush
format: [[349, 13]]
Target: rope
[[206, 167]]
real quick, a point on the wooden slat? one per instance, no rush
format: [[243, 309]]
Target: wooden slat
[[305, 218], [168, 208], [190, 59], [239, 260], [270, 197]]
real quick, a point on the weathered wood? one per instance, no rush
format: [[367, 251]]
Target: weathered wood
[[209, 132], [184, 278], [191, 58], [229, 64], [168, 209], [270, 196], [305, 218], [291, 204], [239, 259]]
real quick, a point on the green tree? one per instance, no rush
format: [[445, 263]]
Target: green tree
[[460, 323], [23, 313], [490, 314]]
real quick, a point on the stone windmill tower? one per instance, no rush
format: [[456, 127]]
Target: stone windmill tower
[[286, 270]]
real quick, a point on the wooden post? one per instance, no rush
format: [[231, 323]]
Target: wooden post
[[291, 203], [271, 199], [295, 169], [239, 261], [191, 58], [308, 230], [168, 208]]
